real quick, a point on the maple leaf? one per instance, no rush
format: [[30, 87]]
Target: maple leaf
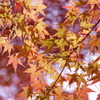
[[85, 25], [7, 47], [39, 29], [48, 43], [72, 39], [94, 43], [60, 80], [95, 78], [62, 62], [59, 94], [70, 78], [73, 97], [14, 61], [60, 32], [40, 26], [61, 43], [27, 4], [83, 92], [35, 72], [38, 84], [32, 55], [24, 50], [75, 78], [48, 67], [97, 43], [40, 7], [27, 92]]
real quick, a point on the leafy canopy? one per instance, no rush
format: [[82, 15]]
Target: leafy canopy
[[23, 34]]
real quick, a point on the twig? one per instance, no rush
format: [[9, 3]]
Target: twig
[[91, 30], [97, 87]]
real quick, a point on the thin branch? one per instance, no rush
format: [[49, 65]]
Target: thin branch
[[91, 30], [65, 88], [54, 82], [68, 59], [97, 87]]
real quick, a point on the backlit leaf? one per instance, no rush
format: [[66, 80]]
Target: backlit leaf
[[40, 7], [14, 61]]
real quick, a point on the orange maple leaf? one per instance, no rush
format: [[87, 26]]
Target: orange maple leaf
[[59, 94], [95, 78], [38, 84], [35, 72], [83, 92], [7, 47], [14, 61]]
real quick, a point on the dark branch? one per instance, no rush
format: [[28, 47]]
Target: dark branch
[[68, 59], [91, 30]]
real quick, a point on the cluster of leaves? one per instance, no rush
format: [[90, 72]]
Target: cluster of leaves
[[23, 35]]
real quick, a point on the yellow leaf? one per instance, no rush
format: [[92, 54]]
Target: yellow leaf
[[18, 32], [2, 40], [93, 1], [40, 7]]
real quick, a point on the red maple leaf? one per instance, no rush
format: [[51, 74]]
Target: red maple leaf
[[18, 8]]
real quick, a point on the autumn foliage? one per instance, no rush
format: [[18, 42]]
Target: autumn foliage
[[36, 54]]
